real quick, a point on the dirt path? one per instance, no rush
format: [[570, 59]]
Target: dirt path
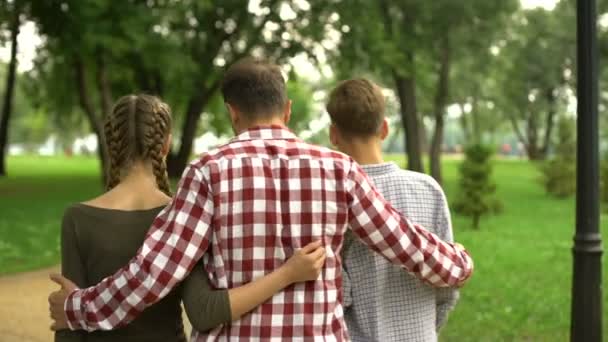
[[24, 308]]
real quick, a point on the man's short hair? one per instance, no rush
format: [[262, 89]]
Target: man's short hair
[[255, 88], [357, 107]]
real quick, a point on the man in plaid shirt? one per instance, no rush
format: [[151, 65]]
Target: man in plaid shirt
[[383, 303], [244, 208]]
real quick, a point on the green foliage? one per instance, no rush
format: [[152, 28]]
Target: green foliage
[[298, 91], [477, 190], [28, 125], [559, 173], [95, 51], [604, 185], [604, 182], [527, 88]]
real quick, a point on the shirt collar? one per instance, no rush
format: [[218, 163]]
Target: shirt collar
[[266, 133], [380, 169]]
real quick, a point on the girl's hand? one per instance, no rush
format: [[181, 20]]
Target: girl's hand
[[305, 264]]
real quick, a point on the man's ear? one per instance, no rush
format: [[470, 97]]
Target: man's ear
[[384, 130], [233, 112], [287, 112], [334, 135], [167, 145]]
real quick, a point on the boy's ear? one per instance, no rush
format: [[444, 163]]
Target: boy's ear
[[334, 135], [384, 130]]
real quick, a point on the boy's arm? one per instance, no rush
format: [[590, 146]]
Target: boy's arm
[[347, 300], [346, 283], [446, 301], [446, 298], [382, 228], [177, 240]]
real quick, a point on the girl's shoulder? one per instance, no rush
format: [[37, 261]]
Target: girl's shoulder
[[74, 216], [71, 212]]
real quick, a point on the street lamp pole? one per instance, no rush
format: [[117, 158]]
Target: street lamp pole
[[586, 319]]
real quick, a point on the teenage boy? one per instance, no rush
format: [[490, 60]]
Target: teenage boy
[[382, 303]]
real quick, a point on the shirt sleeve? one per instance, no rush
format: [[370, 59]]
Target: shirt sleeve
[[72, 267], [382, 228], [446, 298], [176, 241], [205, 307]]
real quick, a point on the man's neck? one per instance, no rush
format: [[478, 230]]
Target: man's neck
[[365, 152], [273, 121]]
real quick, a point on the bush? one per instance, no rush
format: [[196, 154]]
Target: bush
[[477, 190], [559, 172], [604, 184]]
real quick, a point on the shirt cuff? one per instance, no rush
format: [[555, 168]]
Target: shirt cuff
[[73, 312], [468, 267]]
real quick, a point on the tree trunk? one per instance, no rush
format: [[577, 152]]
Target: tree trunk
[[158, 83], [533, 148], [465, 125], [424, 140], [148, 80], [531, 141], [141, 75], [406, 92], [476, 218], [441, 97], [9, 92], [95, 122], [475, 122], [103, 85], [176, 162], [534, 153], [551, 102]]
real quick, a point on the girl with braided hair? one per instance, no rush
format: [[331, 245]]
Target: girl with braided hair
[[103, 234]]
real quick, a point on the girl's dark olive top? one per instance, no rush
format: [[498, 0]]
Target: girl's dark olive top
[[97, 242]]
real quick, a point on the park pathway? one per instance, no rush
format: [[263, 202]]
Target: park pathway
[[24, 313]]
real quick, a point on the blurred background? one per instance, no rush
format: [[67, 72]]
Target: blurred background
[[481, 95]]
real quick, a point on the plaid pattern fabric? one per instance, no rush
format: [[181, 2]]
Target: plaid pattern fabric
[[243, 208], [382, 303]]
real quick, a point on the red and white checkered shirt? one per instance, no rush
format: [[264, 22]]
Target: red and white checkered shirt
[[244, 208]]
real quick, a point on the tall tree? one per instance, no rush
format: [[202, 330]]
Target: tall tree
[[440, 103], [448, 40], [414, 44], [381, 37], [531, 87], [177, 50], [12, 11]]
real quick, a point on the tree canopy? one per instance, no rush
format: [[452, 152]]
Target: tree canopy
[[507, 69]]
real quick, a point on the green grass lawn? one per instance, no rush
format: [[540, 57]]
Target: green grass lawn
[[32, 200], [520, 290]]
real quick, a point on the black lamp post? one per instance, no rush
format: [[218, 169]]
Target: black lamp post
[[586, 319]]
